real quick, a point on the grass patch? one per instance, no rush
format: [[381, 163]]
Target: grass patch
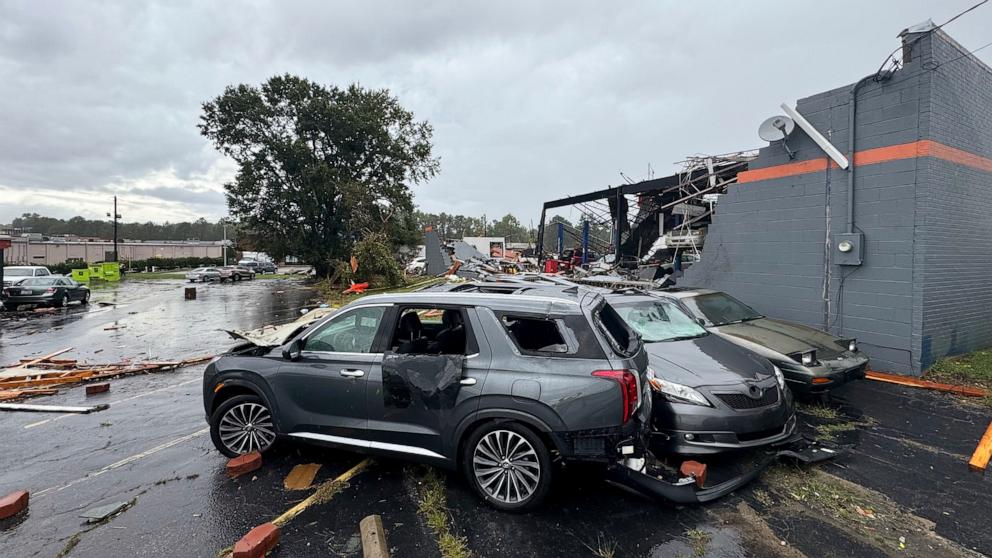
[[432, 503], [605, 547], [819, 411], [974, 369], [700, 540], [829, 431], [763, 497], [155, 275], [69, 545]]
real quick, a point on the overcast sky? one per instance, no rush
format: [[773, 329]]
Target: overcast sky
[[530, 101]]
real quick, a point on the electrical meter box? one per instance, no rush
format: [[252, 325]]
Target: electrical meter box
[[849, 248]]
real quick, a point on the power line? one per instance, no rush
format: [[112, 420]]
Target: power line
[[916, 40], [969, 53]]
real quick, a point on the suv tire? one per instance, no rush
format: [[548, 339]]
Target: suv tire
[[241, 425], [507, 465]]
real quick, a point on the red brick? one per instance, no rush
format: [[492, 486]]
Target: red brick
[[13, 504], [694, 469], [257, 542], [244, 464], [93, 389]]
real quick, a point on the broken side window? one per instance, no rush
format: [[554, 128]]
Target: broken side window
[[535, 335], [351, 332], [623, 339], [433, 331]]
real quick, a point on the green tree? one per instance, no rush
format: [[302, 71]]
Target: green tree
[[319, 167]]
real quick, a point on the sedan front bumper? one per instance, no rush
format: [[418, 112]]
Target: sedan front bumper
[[825, 376], [686, 429], [685, 490]]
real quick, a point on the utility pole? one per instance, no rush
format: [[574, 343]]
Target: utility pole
[[116, 217], [225, 242]]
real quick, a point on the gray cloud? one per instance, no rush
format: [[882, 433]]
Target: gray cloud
[[530, 101]]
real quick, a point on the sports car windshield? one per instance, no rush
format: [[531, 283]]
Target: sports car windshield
[[720, 309], [657, 321]]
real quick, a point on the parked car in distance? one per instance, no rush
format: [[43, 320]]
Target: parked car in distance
[[236, 273], [259, 266], [491, 385], [203, 274], [16, 273], [813, 361], [45, 291]]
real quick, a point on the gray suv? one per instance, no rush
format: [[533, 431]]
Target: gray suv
[[493, 385]]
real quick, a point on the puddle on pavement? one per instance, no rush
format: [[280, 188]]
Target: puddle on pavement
[[711, 542]]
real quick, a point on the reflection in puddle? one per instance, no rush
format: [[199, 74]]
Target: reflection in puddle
[[712, 542]]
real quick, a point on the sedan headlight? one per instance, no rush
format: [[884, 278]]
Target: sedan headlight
[[677, 393], [806, 358], [779, 376]]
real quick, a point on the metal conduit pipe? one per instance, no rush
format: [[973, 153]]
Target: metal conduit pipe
[[852, 105]]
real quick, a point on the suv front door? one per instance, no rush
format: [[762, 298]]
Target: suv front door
[[407, 412], [321, 396]]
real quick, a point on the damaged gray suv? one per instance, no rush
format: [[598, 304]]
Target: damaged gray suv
[[495, 386]]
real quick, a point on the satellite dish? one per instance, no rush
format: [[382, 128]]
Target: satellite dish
[[776, 128]]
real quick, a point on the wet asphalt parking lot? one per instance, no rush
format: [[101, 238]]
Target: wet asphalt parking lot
[[904, 489]]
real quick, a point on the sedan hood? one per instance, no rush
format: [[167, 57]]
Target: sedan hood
[[705, 361], [784, 337]]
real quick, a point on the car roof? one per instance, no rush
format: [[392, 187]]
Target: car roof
[[24, 267], [536, 303], [680, 293]]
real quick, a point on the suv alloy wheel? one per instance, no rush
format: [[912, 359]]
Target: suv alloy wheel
[[508, 466]]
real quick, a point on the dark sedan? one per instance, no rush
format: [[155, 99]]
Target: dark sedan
[[813, 361], [710, 395], [45, 291]]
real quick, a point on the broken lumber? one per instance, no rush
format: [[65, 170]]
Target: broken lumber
[[373, 537], [44, 358], [9, 394], [925, 384], [51, 408], [980, 459]]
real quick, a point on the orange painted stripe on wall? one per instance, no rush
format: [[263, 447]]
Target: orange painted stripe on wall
[[922, 148]]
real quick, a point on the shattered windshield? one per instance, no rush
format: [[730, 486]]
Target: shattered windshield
[[657, 321], [720, 309]]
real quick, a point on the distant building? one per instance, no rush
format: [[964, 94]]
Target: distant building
[[29, 251]]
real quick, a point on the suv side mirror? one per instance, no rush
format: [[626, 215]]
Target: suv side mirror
[[293, 351]]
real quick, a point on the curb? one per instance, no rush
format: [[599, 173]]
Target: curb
[[13, 504], [373, 537], [258, 542], [244, 464]]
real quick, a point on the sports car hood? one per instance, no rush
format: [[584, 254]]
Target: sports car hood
[[705, 361], [784, 337]]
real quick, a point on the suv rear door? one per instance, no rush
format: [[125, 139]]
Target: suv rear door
[[321, 396], [417, 398]]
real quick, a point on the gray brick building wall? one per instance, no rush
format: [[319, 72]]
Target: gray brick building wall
[[922, 291]]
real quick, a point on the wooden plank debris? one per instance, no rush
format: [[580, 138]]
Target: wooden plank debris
[[917, 383], [37, 376], [51, 408], [980, 459], [301, 477]]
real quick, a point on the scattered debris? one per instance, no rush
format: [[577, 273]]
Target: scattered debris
[[258, 542], [22, 379], [52, 408], [102, 513], [97, 388], [915, 382], [373, 537], [244, 464], [356, 288], [13, 504], [190, 293], [301, 477], [11, 394], [275, 335], [696, 470], [980, 459]]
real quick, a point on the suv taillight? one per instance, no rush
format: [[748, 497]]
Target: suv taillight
[[628, 389]]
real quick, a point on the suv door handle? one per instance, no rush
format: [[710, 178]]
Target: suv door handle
[[467, 381], [351, 373]]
